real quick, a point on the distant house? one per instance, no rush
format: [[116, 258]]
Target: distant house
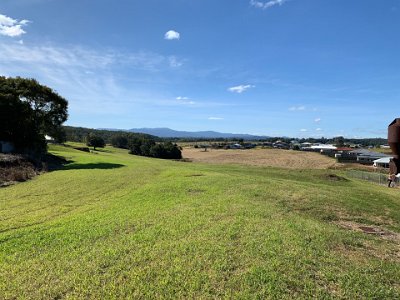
[[6, 147], [235, 146], [321, 148], [367, 157], [49, 139], [281, 145], [362, 156], [382, 162], [305, 145], [267, 144]]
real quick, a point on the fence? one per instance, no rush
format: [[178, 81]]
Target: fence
[[379, 178]]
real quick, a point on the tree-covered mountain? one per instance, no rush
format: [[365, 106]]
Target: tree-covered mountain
[[170, 133]]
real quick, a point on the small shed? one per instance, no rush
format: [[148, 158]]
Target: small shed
[[382, 162], [49, 139], [235, 146]]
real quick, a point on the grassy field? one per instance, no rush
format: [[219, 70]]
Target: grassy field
[[263, 157], [111, 225]]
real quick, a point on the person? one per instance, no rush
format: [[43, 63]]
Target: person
[[391, 178], [392, 172]]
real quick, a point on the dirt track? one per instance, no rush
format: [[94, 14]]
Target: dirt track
[[263, 157]]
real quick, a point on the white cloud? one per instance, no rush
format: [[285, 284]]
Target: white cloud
[[317, 120], [303, 130], [318, 129], [174, 62], [215, 118], [297, 108], [172, 35], [184, 100], [11, 27], [240, 88], [268, 4]]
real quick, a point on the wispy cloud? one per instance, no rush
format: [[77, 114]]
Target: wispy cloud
[[318, 129], [266, 5], [240, 88], [174, 62], [215, 118], [172, 35], [184, 100], [12, 27], [48, 55], [93, 81], [79, 57], [297, 108]]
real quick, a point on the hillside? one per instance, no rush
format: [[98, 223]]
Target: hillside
[[113, 225]]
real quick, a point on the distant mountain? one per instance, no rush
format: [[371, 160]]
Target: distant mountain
[[169, 133]]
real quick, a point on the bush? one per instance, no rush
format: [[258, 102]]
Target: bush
[[148, 147], [119, 141], [95, 141]]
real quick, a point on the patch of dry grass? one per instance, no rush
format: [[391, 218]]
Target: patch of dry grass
[[14, 168], [263, 157]]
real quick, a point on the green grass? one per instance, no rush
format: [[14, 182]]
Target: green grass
[[111, 226]]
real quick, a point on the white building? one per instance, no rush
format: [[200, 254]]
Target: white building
[[382, 162]]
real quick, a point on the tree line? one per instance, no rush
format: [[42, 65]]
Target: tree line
[[334, 140], [137, 143]]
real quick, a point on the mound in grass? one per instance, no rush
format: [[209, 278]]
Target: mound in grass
[[152, 228]]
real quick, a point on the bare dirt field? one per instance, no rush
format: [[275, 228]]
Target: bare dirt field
[[264, 157]]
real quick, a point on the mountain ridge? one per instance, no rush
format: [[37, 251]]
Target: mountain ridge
[[164, 132]]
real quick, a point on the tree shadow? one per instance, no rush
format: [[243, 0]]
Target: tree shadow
[[55, 163], [101, 166]]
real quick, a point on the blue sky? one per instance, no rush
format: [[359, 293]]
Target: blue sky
[[296, 68]]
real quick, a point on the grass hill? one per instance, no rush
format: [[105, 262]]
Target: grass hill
[[109, 225]]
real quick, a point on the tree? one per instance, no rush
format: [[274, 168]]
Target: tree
[[338, 141], [29, 111], [95, 141], [119, 141]]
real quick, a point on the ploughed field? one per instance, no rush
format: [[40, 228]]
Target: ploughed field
[[112, 225]]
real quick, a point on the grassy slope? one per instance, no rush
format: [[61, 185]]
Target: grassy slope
[[113, 225]]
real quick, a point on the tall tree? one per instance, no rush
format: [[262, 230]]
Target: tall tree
[[95, 141], [29, 109]]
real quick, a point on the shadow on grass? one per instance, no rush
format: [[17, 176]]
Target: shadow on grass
[[102, 166], [55, 163]]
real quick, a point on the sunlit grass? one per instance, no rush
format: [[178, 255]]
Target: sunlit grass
[[113, 225]]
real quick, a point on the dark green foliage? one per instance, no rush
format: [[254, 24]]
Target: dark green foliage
[[148, 147], [120, 141], [29, 111], [338, 141], [95, 141], [79, 134]]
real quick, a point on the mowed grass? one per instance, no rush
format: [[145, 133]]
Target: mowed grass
[[112, 226]]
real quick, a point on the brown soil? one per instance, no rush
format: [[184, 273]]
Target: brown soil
[[370, 229], [263, 157]]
